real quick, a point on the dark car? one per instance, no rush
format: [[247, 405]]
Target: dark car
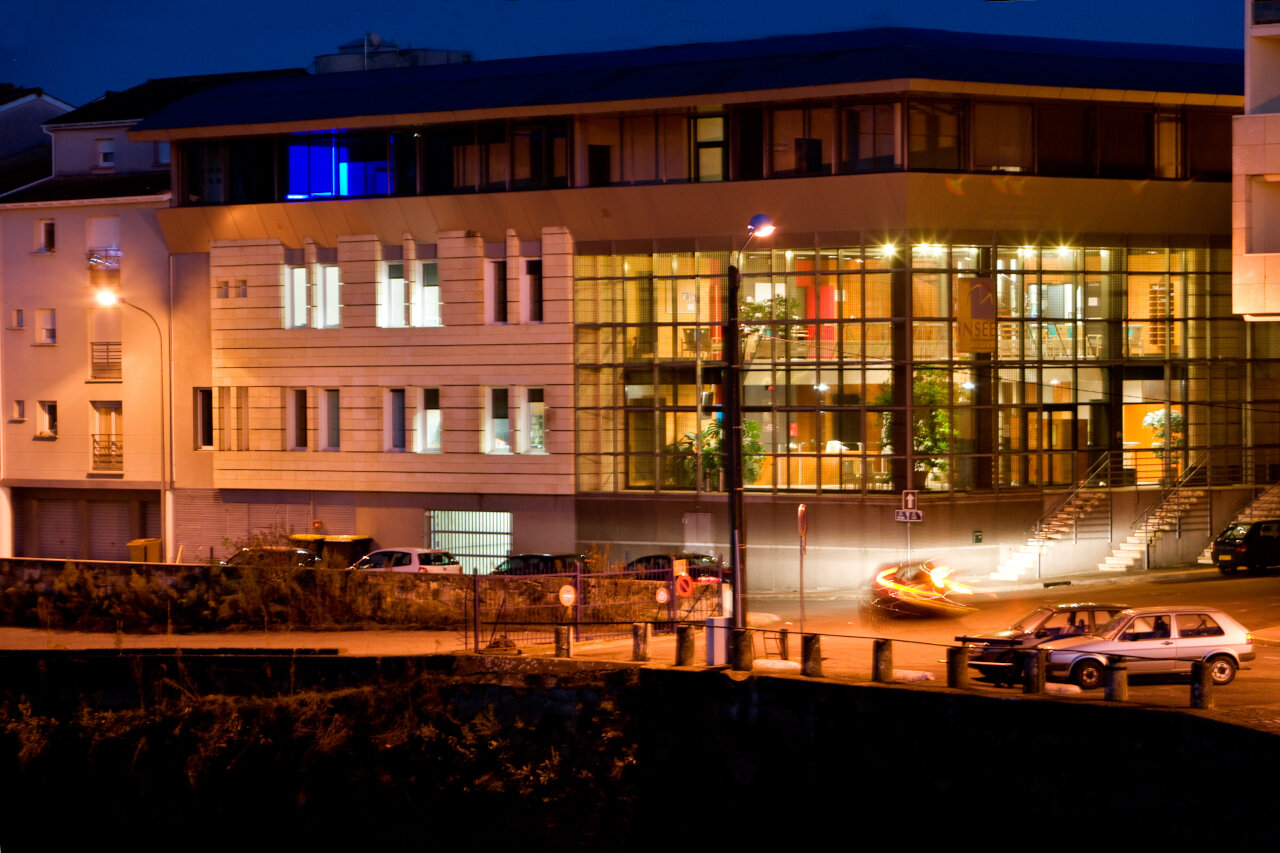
[[541, 564], [992, 653], [273, 558], [665, 566], [1248, 545]]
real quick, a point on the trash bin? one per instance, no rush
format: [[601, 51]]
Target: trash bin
[[144, 550], [343, 550]]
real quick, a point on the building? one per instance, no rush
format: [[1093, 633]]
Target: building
[[75, 483], [482, 305]]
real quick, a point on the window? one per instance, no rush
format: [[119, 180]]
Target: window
[[104, 153], [394, 425], [428, 425], [802, 141], [19, 410], [328, 313], [222, 289], [533, 289], [497, 274], [108, 436], [424, 306], [296, 419], [242, 287], [536, 421], [934, 134], [1064, 144], [45, 235], [202, 418], [1125, 143], [46, 326], [498, 431], [105, 348], [16, 319], [330, 417], [708, 148], [871, 138], [47, 419], [1002, 138], [160, 154], [393, 299], [295, 298]]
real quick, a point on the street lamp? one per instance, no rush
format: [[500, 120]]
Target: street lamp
[[759, 226], [109, 298]]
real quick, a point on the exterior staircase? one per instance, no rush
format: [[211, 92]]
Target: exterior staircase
[[1182, 504], [1072, 518], [1265, 505]]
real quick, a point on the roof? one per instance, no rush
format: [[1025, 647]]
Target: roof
[[145, 98], [708, 69], [76, 187]]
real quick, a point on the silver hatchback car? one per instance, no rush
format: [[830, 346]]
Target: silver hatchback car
[[1153, 641]]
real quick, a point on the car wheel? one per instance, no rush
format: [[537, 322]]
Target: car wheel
[[1088, 674], [1222, 670]]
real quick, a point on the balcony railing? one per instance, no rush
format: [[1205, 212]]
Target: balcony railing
[[104, 360], [108, 453]]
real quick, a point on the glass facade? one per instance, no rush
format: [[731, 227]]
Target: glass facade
[[864, 372]]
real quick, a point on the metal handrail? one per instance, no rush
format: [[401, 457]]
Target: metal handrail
[[1094, 477], [1181, 483]]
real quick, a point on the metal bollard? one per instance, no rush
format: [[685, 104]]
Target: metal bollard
[[811, 655], [564, 641], [640, 633], [958, 667], [784, 648], [741, 654], [1117, 680], [882, 661], [1033, 669], [1201, 686], [684, 645]]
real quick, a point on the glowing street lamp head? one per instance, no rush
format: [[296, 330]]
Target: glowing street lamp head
[[760, 226], [107, 298]]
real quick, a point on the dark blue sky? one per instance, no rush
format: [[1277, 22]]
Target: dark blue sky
[[78, 49]]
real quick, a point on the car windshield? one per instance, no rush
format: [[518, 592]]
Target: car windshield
[[1112, 628], [1029, 623]]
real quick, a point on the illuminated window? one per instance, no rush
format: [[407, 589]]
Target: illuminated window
[[295, 297], [708, 148], [328, 313], [427, 429]]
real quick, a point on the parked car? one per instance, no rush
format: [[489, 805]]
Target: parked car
[[667, 566], [993, 653], [273, 557], [541, 564], [422, 560], [1154, 640], [1248, 545], [918, 587]]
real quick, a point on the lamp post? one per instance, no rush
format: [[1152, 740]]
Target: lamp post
[[761, 226], [108, 298]]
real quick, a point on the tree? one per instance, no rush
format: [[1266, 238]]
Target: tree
[[1170, 434], [931, 430], [682, 456]]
